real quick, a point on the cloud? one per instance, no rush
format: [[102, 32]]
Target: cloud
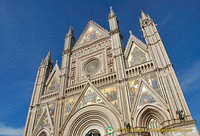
[[190, 77], [10, 131]]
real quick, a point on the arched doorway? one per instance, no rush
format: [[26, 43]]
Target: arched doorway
[[93, 132]]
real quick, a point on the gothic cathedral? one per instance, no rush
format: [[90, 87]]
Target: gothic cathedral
[[103, 89]]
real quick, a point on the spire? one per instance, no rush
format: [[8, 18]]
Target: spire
[[112, 14], [143, 16], [70, 32], [48, 57]]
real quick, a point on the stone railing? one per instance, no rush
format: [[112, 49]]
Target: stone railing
[[142, 68], [48, 97]]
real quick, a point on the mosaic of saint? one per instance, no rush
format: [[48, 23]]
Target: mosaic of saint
[[91, 35], [45, 122], [136, 56], [90, 97], [69, 103], [111, 95], [40, 111], [52, 111], [54, 84], [133, 86], [145, 97], [153, 81]]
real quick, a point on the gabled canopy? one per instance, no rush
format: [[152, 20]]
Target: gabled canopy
[[90, 34]]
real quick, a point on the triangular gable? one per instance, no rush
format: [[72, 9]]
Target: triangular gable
[[90, 95], [134, 41], [53, 81], [90, 34], [45, 121], [145, 95]]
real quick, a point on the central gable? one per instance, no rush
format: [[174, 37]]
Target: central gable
[[90, 34]]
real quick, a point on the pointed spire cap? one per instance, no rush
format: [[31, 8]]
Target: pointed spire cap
[[112, 14], [143, 16], [70, 32], [48, 57]]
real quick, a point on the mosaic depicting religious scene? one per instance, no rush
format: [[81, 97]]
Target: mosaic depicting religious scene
[[153, 81], [146, 97], [136, 56], [91, 35], [40, 111], [52, 111], [90, 97], [69, 103], [111, 95], [45, 122], [54, 84], [133, 86]]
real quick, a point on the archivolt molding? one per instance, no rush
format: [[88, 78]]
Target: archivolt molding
[[148, 112], [92, 114], [44, 130]]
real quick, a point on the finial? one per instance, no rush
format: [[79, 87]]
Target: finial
[[48, 57], [143, 16], [130, 32], [70, 32], [56, 61], [111, 12]]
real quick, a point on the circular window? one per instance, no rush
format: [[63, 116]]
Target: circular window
[[92, 66]]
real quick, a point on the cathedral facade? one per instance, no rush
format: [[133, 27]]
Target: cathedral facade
[[103, 89]]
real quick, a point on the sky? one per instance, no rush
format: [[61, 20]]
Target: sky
[[29, 28]]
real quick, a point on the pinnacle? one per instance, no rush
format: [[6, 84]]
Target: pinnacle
[[48, 57], [111, 12], [70, 32], [143, 16]]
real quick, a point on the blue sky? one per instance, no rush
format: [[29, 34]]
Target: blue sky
[[29, 28]]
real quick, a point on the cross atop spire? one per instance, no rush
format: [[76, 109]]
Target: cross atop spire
[[112, 14]]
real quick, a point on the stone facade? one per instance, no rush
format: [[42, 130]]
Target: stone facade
[[99, 85]]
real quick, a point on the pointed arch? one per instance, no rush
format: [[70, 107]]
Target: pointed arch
[[103, 103], [149, 112], [44, 132]]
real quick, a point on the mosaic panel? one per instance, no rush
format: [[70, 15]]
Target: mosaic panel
[[111, 95], [52, 111], [91, 35], [45, 122], [90, 97], [136, 56], [40, 110], [54, 84], [69, 103], [153, 81], [146, 97], [133, 86]]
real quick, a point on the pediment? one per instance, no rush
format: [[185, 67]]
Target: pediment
[[90, 34]]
